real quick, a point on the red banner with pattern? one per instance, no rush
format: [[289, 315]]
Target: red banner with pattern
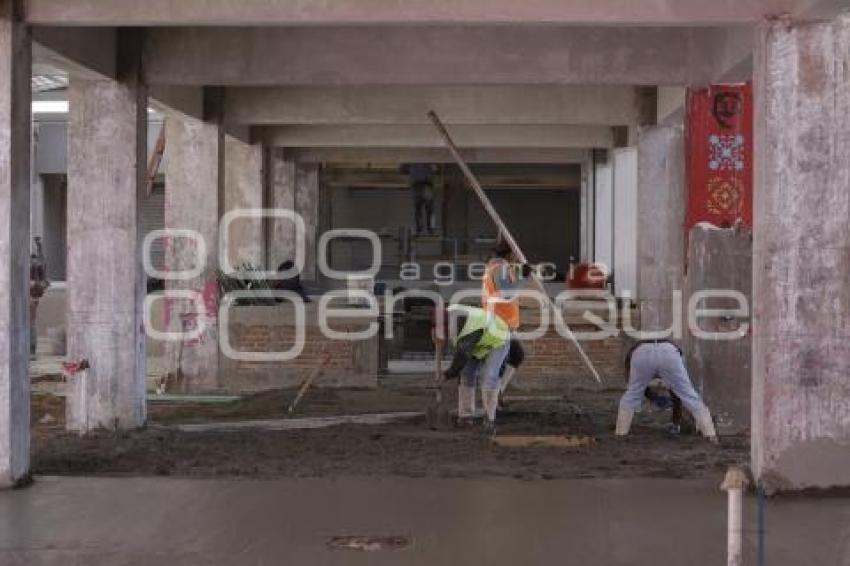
[[720, 155]]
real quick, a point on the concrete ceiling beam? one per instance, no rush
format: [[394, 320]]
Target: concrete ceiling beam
[[89, 53], [393, 12], [312, 56], [396, 155], [506, 104], [516, 136]]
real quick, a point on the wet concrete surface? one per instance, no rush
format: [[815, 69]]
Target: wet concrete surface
[[166, 521], [173, 445]]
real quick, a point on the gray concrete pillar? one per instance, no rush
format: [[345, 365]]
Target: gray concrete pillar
[[243, 190], [293, 186], [307, 205], [15, 50], [801, 255], [281, 195], [660, 223], [193, 201], [721, 260], [106, 282]]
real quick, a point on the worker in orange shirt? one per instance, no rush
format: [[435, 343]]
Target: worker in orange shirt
[[501, 283]]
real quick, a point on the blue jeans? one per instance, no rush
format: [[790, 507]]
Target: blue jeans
[[663, 360], [486, 370]]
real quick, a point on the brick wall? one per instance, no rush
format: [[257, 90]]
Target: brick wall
[[552, 360], [270, 329]]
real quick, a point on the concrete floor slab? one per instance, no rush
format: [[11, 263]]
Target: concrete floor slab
[[131, 521]]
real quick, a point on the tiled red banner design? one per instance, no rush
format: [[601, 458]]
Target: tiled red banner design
[[720, 155]]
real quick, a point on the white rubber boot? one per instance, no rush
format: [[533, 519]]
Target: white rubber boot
[[705, 424], [624, 421], [490, 400], [465, 402]]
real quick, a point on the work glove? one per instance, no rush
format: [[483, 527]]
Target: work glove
[[662, 402]]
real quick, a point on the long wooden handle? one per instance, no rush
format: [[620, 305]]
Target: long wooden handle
[[307, 382], [506, 234]]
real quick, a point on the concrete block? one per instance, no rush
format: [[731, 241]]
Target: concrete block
[[721, 259]]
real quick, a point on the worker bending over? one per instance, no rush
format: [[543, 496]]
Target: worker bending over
[[480, 349], [662, 358], [659, 400]]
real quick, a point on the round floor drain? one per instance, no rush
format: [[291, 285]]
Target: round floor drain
[[368, 544]]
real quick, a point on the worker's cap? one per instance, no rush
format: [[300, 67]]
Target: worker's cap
[[502, 248]]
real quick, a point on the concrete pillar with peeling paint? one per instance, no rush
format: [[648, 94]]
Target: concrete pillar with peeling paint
[[15, 53], [281, 195], [293, 186], [243, 191], [660, 223], [194, 201], [307, 205], [801, 255], [106, 284]]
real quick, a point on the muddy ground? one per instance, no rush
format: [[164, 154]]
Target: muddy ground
[[406, 448]]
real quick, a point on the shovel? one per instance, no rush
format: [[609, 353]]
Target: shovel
[[437, 414]]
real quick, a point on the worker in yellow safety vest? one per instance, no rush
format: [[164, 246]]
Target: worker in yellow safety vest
[[480, 349]]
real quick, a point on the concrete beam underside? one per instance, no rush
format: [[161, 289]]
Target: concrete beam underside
[[300, 12], [15, 52], [436, 55], [505, 104], [386, 155], [416, 136]]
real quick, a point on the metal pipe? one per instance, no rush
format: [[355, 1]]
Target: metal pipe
[[506, 234], [733, 485]]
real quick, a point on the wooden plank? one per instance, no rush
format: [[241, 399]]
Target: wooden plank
[[544, 441]]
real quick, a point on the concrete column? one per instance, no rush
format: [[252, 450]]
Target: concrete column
[[243, 189], [281, 195], [604, 217], [193, 201], [586, 217], [106, 283], [15, 50], [801, 255], [293, 186], [625, 220], [307, 205], [721, 259], [660, 223]]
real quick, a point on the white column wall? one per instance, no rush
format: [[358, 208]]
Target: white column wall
[[624, 165]]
